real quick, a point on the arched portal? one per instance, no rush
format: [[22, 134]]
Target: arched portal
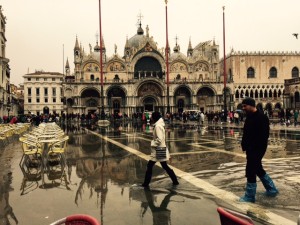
[[182, 98], [90, 99], [116, 99], [205, 99], [150, 96]]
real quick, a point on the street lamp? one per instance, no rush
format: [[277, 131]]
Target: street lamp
[[224, 67], [167, 58]]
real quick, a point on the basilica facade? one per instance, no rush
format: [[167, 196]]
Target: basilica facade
[[137, 80]]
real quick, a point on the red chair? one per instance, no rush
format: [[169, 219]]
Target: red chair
[[230, 217], [78, 219]]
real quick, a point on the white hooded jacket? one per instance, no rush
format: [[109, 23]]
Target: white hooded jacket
[[159, 140]]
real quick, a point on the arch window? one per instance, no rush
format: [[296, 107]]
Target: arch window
[[237, 95], [273, 72], [261, 94], [295, 72], [256, 94], [92, 77], [279, 93], [250, 72], [251, 94], [297, 97], [275, 94], [270, 94]]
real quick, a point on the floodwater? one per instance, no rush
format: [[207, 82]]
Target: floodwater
[[103, 164]]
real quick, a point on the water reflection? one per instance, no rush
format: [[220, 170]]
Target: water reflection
[[43, 175], [6, 211]]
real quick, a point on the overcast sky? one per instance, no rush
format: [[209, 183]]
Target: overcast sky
[[40, 33]]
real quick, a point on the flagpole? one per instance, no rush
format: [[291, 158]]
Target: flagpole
[[224, 67], [167, 58], [101, 67]]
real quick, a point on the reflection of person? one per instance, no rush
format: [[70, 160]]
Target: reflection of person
[[254, 143], [161, 215], [159, 151]]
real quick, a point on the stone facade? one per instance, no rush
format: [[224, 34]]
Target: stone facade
[[261, 75], [292, 93], [137, 81], [43, 93], [4, 70]]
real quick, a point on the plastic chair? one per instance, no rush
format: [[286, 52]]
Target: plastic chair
[[78, 219], [230, 217]]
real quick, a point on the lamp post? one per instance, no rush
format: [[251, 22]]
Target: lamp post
[[167, 58], [102, 115], [224, 67]]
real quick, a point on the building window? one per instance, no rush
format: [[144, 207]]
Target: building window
[[45, 79], [92, 77], [37, 91], [54, 100], [37, 79], [273, 73], [29, 91], [250, 72], [54, 91], [46, 91], [37, 100], [53, 79], [29, 79], [29, 100], [46, 100], [295, 72]]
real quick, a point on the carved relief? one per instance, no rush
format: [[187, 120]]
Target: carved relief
[[91, 67], [201, 67], [178, 67], [149, 89], [115, 66]]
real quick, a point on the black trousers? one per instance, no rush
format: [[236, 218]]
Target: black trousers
[[254, 165]]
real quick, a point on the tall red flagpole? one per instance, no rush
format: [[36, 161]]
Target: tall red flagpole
[[224, 67], [167, 58], [101, 67]]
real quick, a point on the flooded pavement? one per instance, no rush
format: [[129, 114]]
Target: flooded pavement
[[103, 164]]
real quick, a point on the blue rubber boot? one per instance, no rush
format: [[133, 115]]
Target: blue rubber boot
[[250, 193], [269, 185]]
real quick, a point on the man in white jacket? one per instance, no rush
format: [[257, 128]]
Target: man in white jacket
[[159, 150]]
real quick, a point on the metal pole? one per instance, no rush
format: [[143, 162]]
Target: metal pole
[[101, 67], [224, 72], [167, 58]]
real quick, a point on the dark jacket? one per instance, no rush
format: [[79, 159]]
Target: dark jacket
[[256, 133]]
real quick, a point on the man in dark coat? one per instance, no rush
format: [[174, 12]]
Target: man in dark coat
[[254, 143]]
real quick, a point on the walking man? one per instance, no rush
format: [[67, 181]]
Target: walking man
[[254, 143]]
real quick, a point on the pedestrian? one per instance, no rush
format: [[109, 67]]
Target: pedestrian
[[159, 150], [254, 143], [296, 114]]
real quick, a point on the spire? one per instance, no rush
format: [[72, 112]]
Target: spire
[[177, 47], [140, 30], [127, 43], [190, 48], [76, 44], [67, 64]]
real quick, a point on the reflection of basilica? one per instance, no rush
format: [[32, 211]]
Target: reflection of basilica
[[136, 80]]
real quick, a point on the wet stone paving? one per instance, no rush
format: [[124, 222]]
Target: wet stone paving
[[102, 164]]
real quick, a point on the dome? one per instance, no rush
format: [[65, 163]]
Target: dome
[[136, 40], [177, 54], [97, 47]]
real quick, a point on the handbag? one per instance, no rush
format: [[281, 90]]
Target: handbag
[[161, 153]]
